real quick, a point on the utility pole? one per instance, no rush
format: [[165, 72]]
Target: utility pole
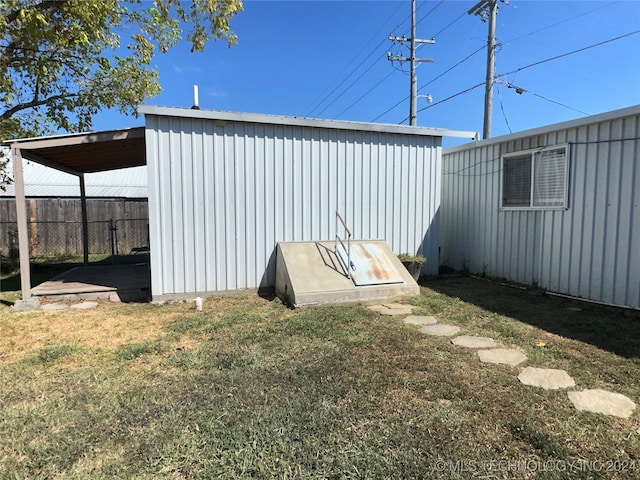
[[413, 91], [412, 69], [488, 10]]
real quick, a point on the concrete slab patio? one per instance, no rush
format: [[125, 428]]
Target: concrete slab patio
[[129, 282]]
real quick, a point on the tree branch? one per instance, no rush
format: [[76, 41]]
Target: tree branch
[[34, 103], [42, 6]]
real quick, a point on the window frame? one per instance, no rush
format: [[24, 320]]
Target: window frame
[[533, 152]]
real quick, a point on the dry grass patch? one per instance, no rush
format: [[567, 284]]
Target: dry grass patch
[[107, 327]]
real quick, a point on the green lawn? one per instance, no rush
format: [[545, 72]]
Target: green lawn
[[249, 388]]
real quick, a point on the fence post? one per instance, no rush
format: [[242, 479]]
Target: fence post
[[33, 227], [112, 240], [85, 221]]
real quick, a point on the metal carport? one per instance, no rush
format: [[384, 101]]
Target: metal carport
[[76, 154]]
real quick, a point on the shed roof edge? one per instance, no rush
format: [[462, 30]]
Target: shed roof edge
[[578, 122], [301, 121]]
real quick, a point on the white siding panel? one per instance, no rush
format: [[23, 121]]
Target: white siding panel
[[590, 250], [223, 193]]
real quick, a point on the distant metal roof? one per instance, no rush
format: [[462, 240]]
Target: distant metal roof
[[89, 152], [223, 115], [41, 181]]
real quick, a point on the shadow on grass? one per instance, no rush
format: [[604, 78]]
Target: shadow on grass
[[614, 330], [40, 272]]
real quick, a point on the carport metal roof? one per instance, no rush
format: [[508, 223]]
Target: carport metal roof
[[77, 154], [91, 152]]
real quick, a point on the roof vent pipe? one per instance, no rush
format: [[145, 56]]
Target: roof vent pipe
[[195, 98]]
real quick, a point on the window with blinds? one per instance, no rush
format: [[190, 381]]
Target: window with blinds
[[535, 179]]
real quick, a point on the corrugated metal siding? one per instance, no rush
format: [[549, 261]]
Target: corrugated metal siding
[[591, 250], [223, 193]]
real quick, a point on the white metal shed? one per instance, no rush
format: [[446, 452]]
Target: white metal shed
[[557, 206], [225, 187]]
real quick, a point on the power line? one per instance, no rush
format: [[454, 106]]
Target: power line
[[562, 21], [310, 112], [454, 66], [387, 76], [495, 159], [520, 91], [430, 82], [511, 41], [532, 65], [467, 90], [558, 103], [413, 83], [451, 68], [345, 79], [430, 12], [346, 89], [509, 73], [426, 14], [391, 108], [454, 21], [569, 53], [361, 75], [504, 114], [364, 95]]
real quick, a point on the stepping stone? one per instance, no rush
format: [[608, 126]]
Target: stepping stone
[[440, 330], [54, 306], [470, 341], [377, 308], [84, 305], [397, 306], [547, 378], [601, 401], [503, 356], [392, 309], [395, 311], [420, 320]]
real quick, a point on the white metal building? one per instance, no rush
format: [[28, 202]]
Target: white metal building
[[225, 187], [557, 206]]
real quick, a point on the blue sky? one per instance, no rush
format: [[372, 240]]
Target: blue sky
[[328, 59]]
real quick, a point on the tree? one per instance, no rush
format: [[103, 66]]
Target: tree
[[62, 61]]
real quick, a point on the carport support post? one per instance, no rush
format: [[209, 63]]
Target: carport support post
[[85, 222], [21, 217]]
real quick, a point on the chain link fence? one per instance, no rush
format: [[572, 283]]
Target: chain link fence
[[63, 239]]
